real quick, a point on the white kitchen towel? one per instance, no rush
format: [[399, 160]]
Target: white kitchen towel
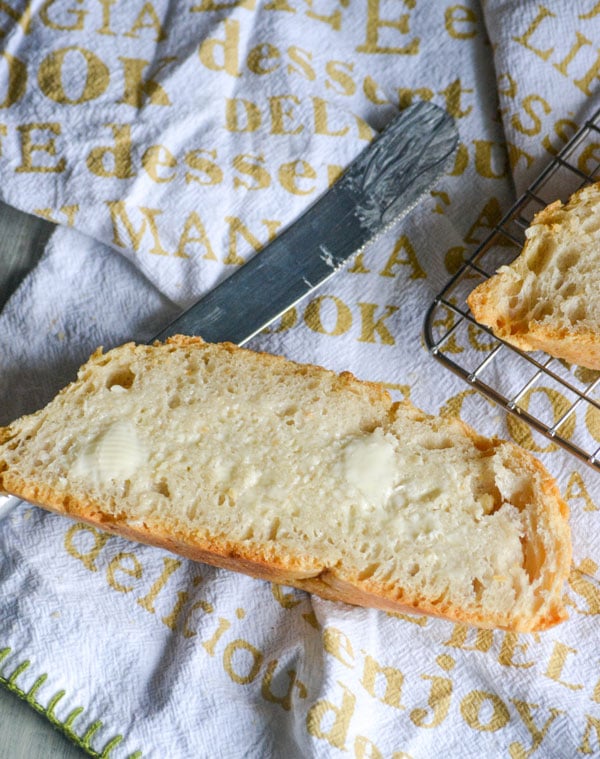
[[170, 141]]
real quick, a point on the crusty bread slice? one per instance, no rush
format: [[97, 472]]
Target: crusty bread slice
[[295, 474], [549, 297]]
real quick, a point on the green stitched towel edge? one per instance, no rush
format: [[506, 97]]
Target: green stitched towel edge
[[65, 726]]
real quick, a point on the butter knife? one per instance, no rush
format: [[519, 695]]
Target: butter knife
[[378, 188]]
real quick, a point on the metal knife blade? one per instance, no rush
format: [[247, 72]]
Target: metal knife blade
[[378, 188]]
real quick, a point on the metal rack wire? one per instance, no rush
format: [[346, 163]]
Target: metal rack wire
[[558, 400]]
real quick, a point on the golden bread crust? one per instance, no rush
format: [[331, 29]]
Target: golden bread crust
[[302, 572]]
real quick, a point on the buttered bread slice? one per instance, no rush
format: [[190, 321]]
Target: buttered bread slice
[[295, 474]]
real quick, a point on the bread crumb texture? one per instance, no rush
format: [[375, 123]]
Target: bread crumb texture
[[549, 297], [298, 475]]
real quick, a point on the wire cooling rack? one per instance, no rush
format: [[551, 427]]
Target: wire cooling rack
[[558, 400]]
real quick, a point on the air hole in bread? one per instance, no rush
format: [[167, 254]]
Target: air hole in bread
[[66, 447], [122, 377], [533, 559], [544, 309], [162, 487], [514, 287], [477, 588], [437, 443], [575, 311], [226, 499], [439, 599], [368, 572], [274, 529], [516, 329], [539, 259], [568, 259]]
